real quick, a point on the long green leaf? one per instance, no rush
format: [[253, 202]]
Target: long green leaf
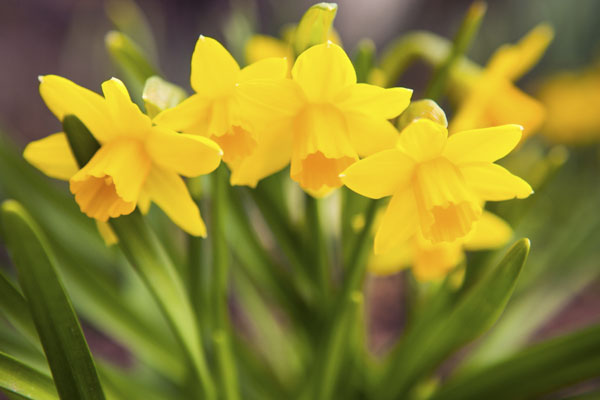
[[67, 352], [428, 344], [15, 307], [18, 378], [539, 369]]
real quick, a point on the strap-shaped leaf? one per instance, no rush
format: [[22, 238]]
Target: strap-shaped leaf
[[18, 378], [428, 344], [67, 351], [539, 369]]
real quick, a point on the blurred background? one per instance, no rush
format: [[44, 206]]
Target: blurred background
[[66, 37]]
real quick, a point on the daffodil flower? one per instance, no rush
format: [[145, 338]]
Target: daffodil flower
[[321, 121], [137, 162], [437, 182], [492, 99], [214, 111], [434, 261]]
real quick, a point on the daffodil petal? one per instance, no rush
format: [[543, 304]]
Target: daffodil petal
[[490, 232], [323, 71], [399, 222], [125, 114], [169, 192], [271, 154], [190, 116], [259, 47], [262, 102], [516, 106], [370, 135], [434, 262], [394, 260], [64, 97], [214, 71], [379, 175], [188, 155], [106, 232], [423, 139], [482, 145], [269, 68], [493, 182], [374, 100], [52, 155]]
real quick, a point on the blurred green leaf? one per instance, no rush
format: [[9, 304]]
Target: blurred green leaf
[[159, 95], [15, 307], [67, 352], [131, 60], [24, 381], [364, 59], [129, 18], [314, 26], [427, 344], [540, 369]]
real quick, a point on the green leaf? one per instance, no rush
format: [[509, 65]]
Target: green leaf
[[428, 344], [18, 378], [67, 352], [15, 308], [159, 95], [314, 26], [540, 369], [131, 60], [364, 59]]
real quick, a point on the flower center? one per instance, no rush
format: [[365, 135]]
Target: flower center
[[237, 144], [447, 208]]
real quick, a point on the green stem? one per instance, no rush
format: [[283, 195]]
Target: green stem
[[462, 41], [222, 333], [318, 243]]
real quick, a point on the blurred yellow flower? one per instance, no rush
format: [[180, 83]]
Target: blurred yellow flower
[[434, 261], [437, 182], [492, 99], [572, 100], [321, 120], [214, 111], [137, 162]]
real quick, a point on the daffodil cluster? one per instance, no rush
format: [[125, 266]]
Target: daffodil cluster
[[314, 117]]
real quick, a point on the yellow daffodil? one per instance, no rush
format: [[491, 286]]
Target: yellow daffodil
[[214, 111], [137, 162], [492, 99], [437, 182], [572, 100], [321, 120], [434, 261]]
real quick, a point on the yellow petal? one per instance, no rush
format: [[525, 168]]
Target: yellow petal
[[110, 183], [318, 174], [259, 47], [379, 175], [393, 260], [373, 100], [493, 182], [190, 116], [125, 114], [169, 192], [64, 97], [490, 232], [482, 145], [434, 262], [271, 154], [423, 139], [369, 135], [262, 102], [269, 68], [399, 222], [323, 71], [214, 71], [187, 155], [108, 235], [512, 61], [52, 155]]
